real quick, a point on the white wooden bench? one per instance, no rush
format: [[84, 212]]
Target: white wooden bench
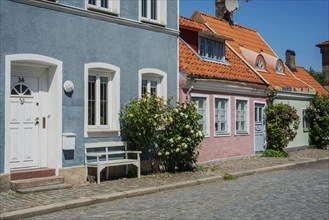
[[101, 155]]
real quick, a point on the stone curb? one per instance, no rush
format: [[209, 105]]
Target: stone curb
[[46, 209]]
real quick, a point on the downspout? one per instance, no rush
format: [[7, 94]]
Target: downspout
[[188, 93]]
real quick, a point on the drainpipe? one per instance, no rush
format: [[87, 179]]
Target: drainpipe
[[188, 94]]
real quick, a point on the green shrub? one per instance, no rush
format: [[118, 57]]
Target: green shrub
[[281, 124], [151, 122], [141, 120], [317, 115], [181, 137], [275, 153]]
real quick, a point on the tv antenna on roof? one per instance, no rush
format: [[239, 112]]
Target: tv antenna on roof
[[231, 5]]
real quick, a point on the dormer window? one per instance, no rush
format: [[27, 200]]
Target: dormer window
[[279, 66], [212, 49], [260, 63]]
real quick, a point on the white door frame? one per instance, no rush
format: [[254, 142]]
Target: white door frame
[[53, 151]]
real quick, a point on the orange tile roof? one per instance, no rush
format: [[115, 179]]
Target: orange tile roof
[[250, 39], [306, 77], [191, 64], [325, 43], [192, 24]]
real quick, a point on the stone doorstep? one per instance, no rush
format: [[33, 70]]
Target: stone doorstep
[[44, 188], [31, 173], [36, 182]]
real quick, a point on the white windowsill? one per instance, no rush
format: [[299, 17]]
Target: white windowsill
[[242, 133], [222, 135], [152, 21], [101, 9]]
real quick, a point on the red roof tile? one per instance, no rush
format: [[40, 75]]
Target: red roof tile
[[306, 77], [250, 39], [191, 64]]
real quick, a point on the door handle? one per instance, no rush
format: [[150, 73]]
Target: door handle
[[36, 121], [43, 122]]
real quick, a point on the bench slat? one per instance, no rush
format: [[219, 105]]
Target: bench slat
[[104, 144]]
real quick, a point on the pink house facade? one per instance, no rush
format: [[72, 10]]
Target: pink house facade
[[229, 94]]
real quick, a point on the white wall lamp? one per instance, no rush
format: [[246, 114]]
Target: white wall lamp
[[68, 86]]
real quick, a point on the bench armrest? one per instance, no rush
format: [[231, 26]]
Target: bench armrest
[[133, 152]]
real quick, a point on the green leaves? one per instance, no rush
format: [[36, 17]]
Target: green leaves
[[281, 124], [151, 121], [317, 115]]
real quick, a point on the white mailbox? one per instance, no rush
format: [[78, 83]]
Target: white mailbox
[[68, 141]]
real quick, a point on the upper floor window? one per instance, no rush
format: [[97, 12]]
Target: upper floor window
[[222, 116], [152, 81], [279, 66], [111, 6], [260, 62], [211, 49], [154, 11]]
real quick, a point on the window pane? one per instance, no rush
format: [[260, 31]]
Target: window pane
[[144, 8], [260, 116], [201, 110], [92, 2], [104, 3], [154, 9], [144, 86], [203, 47], [154, 85], [91, 100], [103, 100]]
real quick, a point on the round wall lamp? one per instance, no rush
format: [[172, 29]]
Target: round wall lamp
[[68, 86]]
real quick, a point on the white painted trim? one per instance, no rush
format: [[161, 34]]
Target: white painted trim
[[114, 71], [153, 73], [99, 16], [228, 98], [248, 114], [253, 121], [218, 86], [291, 95], [54, 142], [198, 95]]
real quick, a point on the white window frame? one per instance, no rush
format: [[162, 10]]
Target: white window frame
[[257, 63], [204, 52], [153, 74], [161, 12], [113, 6], [113, 96], [228, 116], [206, 130], [306, 124], [246, 132]]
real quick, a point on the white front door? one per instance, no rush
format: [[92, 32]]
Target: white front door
[[259, 128], [24, 122]]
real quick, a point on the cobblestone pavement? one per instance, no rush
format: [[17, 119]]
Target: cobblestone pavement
[[297, 193], [11, 201]]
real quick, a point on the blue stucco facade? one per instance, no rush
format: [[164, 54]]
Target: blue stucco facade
[[68, 32]]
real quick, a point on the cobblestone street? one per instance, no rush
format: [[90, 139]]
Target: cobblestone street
[[297, 193]]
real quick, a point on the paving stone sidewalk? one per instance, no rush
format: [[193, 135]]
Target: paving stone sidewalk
[[12, 201]]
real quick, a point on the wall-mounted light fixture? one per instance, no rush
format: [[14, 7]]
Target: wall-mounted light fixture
[[68, 86]]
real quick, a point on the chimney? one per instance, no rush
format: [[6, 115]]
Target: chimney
[[220, 8], [222, 12], [290, 59]]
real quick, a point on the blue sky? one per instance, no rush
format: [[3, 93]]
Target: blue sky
[[284, 24]]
